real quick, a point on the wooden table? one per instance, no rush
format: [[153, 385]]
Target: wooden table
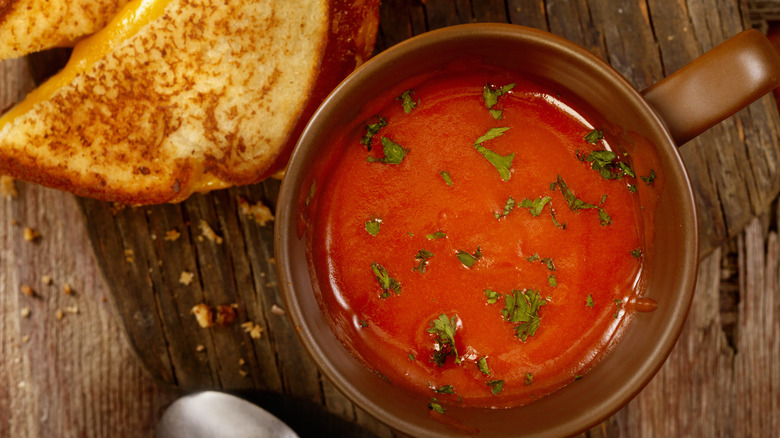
[[106, 358]]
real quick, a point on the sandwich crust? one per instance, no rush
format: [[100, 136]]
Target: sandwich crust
[[211, 90], [28, 26]]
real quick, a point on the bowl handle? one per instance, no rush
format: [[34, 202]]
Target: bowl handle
[[716, 85]]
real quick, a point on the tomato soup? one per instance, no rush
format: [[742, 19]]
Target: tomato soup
[[478, 238]]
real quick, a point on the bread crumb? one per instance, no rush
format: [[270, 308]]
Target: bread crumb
[[259, 212], [31, 234], [72, 309], [207, 232], [25, 312], [204, 315], [7, 187], [172, 235], [46, 279], [254, 330], [276, 310], [186, 278], [129, 256], [200, 348], [66, 289], [243, 373], [25, 339], [27, 290], [241, 361], [226, 314], [59, 314]]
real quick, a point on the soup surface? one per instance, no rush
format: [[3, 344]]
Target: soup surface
[[477, 238]]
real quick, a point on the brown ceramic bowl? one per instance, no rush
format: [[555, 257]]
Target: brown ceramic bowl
[[670, 274]]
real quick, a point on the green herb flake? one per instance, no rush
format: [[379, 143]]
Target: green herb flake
[[555, 220], [312, 189], [386, 282], [577, 377], [363, 323], [632, 188], [491, 95], [529, 379], [411, 357], [619, 304], [435, 406], [467, 259], [496, 386], [421, 258], [371, 130], [594, 136], [372, 226], [510, 204], [436, 235], [522, 309], [649, 179], [603, 199], [394, 153], [548, 261], [533, 258], [492, 296], [483, 366], [552, 281], [637, 253], [500, 162], [445, 389], [407, 101], [444, 342], [626, 169], [576, 204], [589, 300], [446, 177]]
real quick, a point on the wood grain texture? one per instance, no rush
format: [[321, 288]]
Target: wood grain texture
[[77, 376]]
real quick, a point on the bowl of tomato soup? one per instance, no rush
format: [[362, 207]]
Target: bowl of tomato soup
[[486, 230]]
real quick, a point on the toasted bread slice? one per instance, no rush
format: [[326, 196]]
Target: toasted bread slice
[[28, 26], [192, 96]]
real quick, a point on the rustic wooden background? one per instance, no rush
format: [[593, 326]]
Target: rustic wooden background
[[108, 357]]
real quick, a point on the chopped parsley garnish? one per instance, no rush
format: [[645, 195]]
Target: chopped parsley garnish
[[594, 136], [555, 220], [435, 406], [444, 342], [422, 257], [535, 206], [637, 253], [386, 282], [372, 226], [446, 177], [552, 281], [548, 261], [363, 323], [500, 162], [312, 189], [483, 366], [491, 95], [436, 235], [411, 357], [533, 258], [619, 304], [589, 301], [467, 259], [445, 389], [529, 379], [522, 309], [407, 102], [649, 178], [492, 296], [371, 130], [632, 188], [510, 204], [578, 204], [496, 386], [394, 153]]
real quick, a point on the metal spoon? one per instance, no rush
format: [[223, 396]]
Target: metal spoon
[[214, 415]]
